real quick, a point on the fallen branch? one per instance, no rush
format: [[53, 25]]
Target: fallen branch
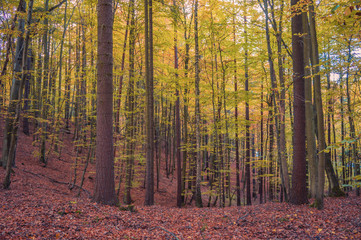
[[242, 217], [167, 231], [56, 181]]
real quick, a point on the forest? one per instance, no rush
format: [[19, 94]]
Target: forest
[[179, 119]]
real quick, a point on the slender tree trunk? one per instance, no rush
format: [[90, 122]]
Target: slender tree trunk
[[29, 78], [177, 115], [310, 123], [319, 110], [198, 194], [355, 156], [260, 172], [16, 95], [248, 146], [282, 111], [117, 116], [238, 185], [15, 86], [130, 115], [45, 97], [149, 183]]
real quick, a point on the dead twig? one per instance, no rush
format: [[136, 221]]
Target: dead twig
[[242, 217], [167, 231], [56, 181]]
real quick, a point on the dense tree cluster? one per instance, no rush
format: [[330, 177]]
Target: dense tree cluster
[[241, 101]]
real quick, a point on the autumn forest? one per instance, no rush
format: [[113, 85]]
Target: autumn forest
[[129, 119]]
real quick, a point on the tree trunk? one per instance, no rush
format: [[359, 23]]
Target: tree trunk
[[238, 185], [198, 194], [299, 186], [130, 115], [310, 123], [104, 182], [248, 146], [44, 93], [149, 183], [319, 110], [16, 95], [15, 86]]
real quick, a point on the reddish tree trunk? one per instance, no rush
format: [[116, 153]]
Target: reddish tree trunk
[[104, 184], [299, 187]]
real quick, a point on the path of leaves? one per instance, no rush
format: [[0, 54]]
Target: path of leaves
[[40, 206]]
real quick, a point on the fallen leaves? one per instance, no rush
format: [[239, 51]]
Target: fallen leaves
[[38, 208]]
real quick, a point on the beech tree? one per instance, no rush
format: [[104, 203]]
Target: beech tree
[[299, 186], [104, 182]]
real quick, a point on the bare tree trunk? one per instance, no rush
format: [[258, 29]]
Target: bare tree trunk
[[355, 156], [104, 182], [310, 123], [130, 115], [238, 185], [198, 194], [149, 183], [260, 171], [15, 86], [16, 95], [319, 110], [299, 186], [248, 146], [45, 100]]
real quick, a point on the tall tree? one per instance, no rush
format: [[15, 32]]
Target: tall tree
[[299, 185], [177, 111], [149, 178], [246, 89], [319, 109], [130, 115], [104, 183], [198, 194], [12, 125], [14, 92]]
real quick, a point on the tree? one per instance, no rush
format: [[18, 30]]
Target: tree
[[11, 128], [14, 93], [198, 194], [104, 183], [149, 178], [299, 185]]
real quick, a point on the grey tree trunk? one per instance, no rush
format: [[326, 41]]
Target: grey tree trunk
[[310, 123], [319, 110], [15, 86], [16, 96]]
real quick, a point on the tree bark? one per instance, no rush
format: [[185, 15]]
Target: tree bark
[[198, 194], [149, 183], [16, 96], [299, 186], [104, 182], [14, 92]]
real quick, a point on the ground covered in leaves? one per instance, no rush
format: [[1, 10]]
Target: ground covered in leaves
[[40, 205]]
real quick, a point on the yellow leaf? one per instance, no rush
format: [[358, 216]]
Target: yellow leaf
[[348, 11], [319, 230]]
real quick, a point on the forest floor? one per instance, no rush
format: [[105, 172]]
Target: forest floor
[[40, 205]]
